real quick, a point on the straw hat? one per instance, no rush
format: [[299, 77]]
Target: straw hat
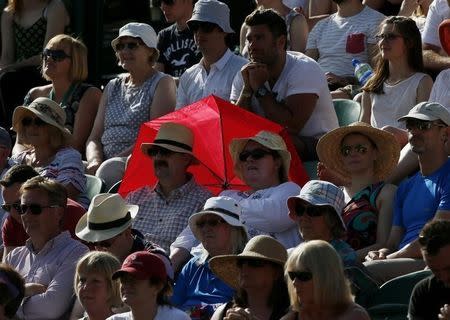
[[108, 215], [259, 248], [172, 136], [328, 149], [269, 140], [137, 30], [225, 207], [45, 109]]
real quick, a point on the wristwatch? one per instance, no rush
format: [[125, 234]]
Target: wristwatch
[[262, 92]]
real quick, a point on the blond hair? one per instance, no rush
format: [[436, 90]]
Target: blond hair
[[56, 192]]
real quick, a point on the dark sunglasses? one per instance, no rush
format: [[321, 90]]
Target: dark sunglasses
[[347, 150], [387, 36], [302, 276], [28, 121], [254, 263], [129, 45], [421, 125], [310, 211], [163, 152], [7, 207], [56, 55], [256, 154], [34, 208], [103, 244], [206, 27], [209, 222]]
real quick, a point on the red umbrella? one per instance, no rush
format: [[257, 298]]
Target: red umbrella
[[214, 123]]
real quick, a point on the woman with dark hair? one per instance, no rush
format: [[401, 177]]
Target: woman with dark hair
[[145, 289], [12, 291], [398, 83], [257, 275]]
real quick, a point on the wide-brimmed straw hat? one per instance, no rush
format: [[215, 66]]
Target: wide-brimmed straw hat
[[269, 140], [108, 215], [45, 109], [225, 207], [258, 248], [172, 136], [329, 149]]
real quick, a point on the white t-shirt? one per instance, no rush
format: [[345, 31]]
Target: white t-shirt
[[340, 39], [441, 89], [164, 313], [439, 11], [300, 74]]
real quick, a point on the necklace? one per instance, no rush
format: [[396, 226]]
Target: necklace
[[66, 95]]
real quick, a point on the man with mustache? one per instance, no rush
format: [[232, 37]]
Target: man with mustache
[[423, 197], [164, 209]]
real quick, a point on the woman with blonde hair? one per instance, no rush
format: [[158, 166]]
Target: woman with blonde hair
[[317, 285], [96, 291], [65, 64]]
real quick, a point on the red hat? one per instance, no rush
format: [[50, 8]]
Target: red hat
[[142, 265]]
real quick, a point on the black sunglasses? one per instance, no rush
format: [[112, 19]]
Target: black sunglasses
[[56, 55], [347, 150], [35, 209], [302, 276], [310, 211], [209, 222], [387, 36], [129, 45], [163, 152], [206, 27], [254, 263], [7, 207], [103, 244], [256, 154], [28, 121], [411, 124]]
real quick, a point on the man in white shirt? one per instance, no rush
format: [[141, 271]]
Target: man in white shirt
[[287, 88], [210, 24]]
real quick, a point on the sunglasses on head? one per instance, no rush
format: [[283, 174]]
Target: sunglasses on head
[[310, 211], [129, 45], [211, 222], [254, 263], [206, 27], [28, 121], [411, 124], [34, 208], [163, 152], [387, 36], [7, 207], [302, 276], [56, 55], [256, 154], [347, 150]]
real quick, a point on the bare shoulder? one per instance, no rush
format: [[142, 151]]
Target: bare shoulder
[[42, 91]]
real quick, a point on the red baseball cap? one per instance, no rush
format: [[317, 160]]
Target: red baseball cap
[[142, 265]]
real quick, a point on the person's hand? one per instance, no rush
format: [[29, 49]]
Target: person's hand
[[239, 314], [377, 255], [323, 173], [258, 74], [92, 167], [445, 312], [335, 80], [32, 289]]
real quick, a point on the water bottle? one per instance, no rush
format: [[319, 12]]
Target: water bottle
[[363, 71]]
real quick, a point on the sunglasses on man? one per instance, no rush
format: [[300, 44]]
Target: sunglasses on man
[[205, 27], [34, 209]]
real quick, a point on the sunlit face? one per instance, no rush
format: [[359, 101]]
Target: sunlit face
[[59, 63], [11, 196], [304, 289], [169, 165], [132, 53], [439, 264], [259, 172], [392, 44], [215, 234], [208, 41], [262, 46], [93, 291], [358, 153], [426, 141], [136, 292]]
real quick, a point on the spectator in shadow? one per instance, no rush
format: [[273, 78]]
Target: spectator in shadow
[[12, 291]]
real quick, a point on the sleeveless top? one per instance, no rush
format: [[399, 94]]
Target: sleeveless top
[[30, 41], [126, 109], [69, 104], [396, 101], [361, 217]]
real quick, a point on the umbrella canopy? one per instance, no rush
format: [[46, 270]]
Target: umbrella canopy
[[214, 122]]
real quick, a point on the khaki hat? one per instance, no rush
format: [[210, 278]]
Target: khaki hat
[[45, 109], [212, 11], [225, 207], [172, 136], [329, 145], [258, 248], [108, 215], [137, 30], [269, 140], [428, 111]]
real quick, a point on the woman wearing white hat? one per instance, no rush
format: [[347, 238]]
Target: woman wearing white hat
[[220, 232], [128, 101], [364, 156], [45, 145]]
